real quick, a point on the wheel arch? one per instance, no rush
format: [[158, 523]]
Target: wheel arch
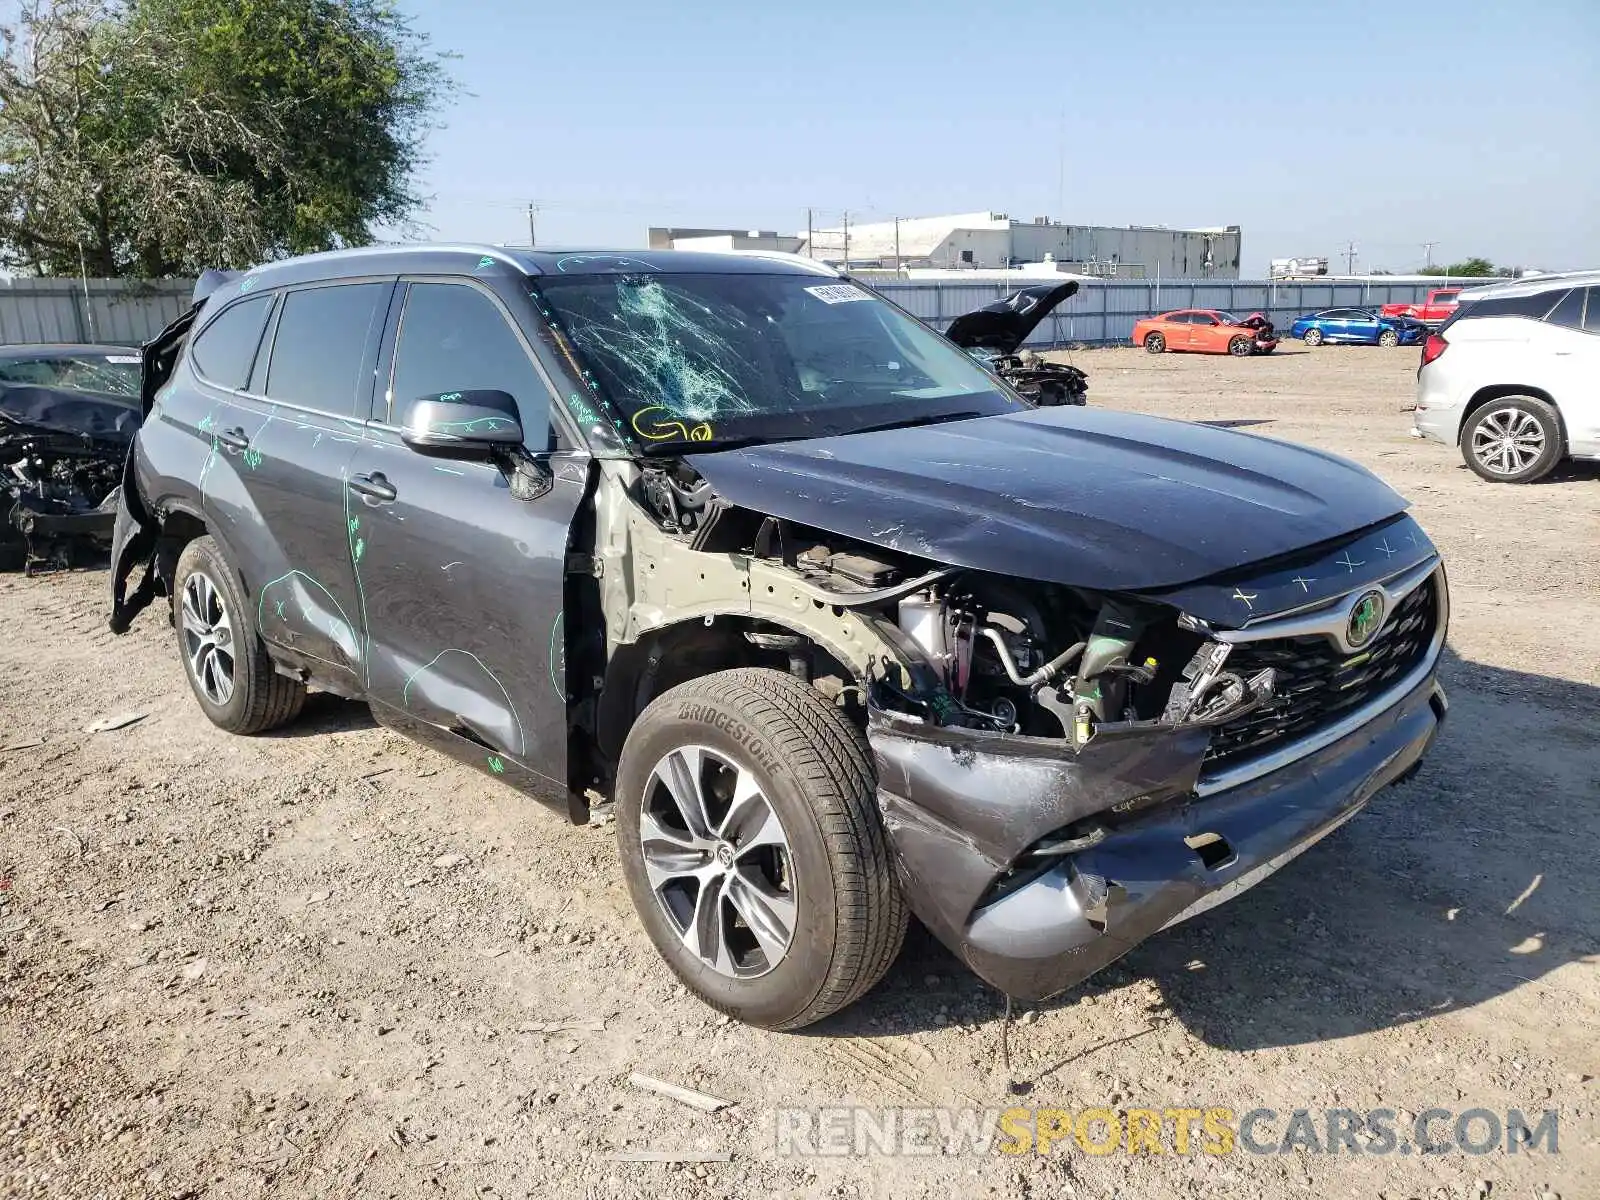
[[1485, 396], [691, 648]]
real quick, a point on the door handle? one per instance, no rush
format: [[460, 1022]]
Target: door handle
[[234, 439], [374, 486]]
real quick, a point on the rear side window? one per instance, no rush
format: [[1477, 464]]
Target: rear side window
[[1569, 313], [453, 338], [1533, 307], [1591, 320], [227, 346], [321, 343]]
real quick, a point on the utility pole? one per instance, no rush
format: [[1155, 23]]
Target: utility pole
[[897, 243], [811, 249], [533, 238], [846, 242], [1350, 259], [1428, 249]]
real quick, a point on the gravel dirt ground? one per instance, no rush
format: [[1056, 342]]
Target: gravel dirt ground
[[330, 964]]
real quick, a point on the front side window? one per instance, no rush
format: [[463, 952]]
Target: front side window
[[1591, 318], [453, 338], [227, 346], [321, 343], [757, 356]]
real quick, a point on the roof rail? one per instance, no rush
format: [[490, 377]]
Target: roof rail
[[784, 256]]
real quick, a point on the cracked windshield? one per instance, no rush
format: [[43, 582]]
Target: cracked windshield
[[736, 358]]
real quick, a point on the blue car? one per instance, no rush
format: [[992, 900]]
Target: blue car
[[1362, 326]]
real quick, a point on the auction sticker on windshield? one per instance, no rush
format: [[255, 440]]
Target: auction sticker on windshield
[[837, 293]]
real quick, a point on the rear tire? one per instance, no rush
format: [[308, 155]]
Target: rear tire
[[1313, 337], [1389, 339], [814, 857], [1154, 343], [226, 664], [1515, 439]]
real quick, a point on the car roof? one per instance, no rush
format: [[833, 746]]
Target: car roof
[[1534, 285], [22, 353], [467, 258]]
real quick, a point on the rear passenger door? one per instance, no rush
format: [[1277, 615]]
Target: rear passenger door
[[461, 581], [313, 384]]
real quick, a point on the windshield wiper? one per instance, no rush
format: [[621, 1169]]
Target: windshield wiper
[[926, 419]]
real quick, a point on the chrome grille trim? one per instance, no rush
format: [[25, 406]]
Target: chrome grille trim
[[1233, 775], [1332, 620]]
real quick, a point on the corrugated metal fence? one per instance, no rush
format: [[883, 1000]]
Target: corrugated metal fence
[[119, 312], [1104, 312], [127, 312]]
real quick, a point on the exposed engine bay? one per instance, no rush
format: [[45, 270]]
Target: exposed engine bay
[[1002, 655], [61, 455]]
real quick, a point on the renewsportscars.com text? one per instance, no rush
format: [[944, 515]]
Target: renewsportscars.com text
[[849, 1131]]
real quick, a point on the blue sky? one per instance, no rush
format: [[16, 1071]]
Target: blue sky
[[1469, 124]]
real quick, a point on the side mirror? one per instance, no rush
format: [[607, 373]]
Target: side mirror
[[466, 424]]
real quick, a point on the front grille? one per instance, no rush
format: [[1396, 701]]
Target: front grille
[[1317, 683]]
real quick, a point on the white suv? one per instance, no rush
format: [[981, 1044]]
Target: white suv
[[1513, 377]]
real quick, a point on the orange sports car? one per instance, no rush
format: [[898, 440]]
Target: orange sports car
[[1205, 331]]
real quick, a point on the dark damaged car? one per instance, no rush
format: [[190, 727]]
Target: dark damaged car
[[67, 416], [843, 627]]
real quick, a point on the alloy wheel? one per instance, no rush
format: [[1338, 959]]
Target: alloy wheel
[[207, 638], [718, 861], [1508, 441], [1313, 337], [1388, 338]]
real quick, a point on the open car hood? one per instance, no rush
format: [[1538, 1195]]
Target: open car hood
[[1004, 325], [94, 415], [1080, 496]]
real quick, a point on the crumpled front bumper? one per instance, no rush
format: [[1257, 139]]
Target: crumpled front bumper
[[959, 814]]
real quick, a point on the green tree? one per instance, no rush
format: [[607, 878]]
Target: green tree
[[160, 137], [1472, 268]]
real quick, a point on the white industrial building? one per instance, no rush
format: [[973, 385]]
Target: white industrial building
[[664, 237], [994, 241]]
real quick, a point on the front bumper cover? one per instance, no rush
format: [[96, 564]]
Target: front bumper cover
[[958, 814]]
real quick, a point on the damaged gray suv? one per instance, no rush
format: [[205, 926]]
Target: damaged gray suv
[[844, 627]]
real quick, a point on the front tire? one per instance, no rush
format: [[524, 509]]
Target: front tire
[[227, 665], [1389, 339], [1313, 337], [748, 829], [1516, 439], [1241, 347], [1154, 343]]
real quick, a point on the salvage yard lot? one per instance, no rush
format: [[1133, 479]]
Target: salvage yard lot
[[329, 963]]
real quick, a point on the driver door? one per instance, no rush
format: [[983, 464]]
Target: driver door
[[460, 582], [1204, 332]]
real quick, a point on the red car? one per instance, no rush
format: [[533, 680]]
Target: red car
[[1440, 305], [1206, 331]]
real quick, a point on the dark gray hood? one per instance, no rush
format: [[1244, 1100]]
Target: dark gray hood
[[1079, 496]]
